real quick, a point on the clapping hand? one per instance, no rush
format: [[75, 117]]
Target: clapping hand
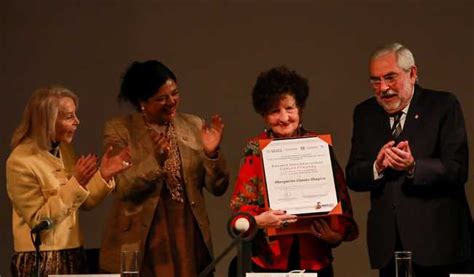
[[112, 165], [212, 135], [85, 168], [381, 163], [399, 157], [161, 145]]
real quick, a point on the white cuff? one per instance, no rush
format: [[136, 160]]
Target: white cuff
[[377, 176]]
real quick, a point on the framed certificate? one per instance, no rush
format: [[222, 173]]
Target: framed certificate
[[299, 176]]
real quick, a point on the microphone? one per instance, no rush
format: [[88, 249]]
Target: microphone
[[242, 225], [44, 224]]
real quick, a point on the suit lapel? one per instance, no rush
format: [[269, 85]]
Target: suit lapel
[[382, 118], [412, 120], [140, 131], [183, 134]]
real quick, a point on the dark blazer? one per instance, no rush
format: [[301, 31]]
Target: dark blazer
[[430, 210], [138, 188]]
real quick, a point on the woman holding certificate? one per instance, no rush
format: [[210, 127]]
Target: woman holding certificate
[[279, 96]]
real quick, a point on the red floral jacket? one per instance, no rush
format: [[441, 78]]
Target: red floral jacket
[[273, 252]]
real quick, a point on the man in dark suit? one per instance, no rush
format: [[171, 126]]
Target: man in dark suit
[[409, 150]]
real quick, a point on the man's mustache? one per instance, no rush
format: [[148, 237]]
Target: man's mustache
[[388, 93]]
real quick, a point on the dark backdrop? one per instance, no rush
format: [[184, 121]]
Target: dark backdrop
[[217, 48]]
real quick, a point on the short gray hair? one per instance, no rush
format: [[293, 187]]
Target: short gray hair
[[405, 59]]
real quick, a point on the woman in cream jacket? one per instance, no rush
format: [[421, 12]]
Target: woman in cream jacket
[[44, 182]]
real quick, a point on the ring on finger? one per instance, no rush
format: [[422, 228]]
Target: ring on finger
[[284, 223]]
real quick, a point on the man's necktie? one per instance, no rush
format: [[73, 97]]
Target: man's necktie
[[397, 126]]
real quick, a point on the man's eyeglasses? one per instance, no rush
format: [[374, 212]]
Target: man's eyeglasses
[[389, 79]]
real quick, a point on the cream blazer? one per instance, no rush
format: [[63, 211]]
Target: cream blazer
[[40, 186]]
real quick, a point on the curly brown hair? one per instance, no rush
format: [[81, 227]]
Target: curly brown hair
[[274, 83]]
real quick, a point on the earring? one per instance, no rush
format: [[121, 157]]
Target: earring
[[142, 108], [300, 130]]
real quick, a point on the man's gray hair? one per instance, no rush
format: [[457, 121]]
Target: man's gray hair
[[405, 59]]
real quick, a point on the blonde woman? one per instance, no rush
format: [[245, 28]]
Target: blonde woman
[[45, 182]]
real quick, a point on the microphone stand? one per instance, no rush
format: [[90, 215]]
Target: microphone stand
[[236, 242], [242, 242], [37, 243], [244, 251]]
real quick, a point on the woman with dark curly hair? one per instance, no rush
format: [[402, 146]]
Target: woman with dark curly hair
[[159, 209], [279, 96]]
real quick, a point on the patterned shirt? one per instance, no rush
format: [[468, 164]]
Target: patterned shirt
[[273, 252]]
